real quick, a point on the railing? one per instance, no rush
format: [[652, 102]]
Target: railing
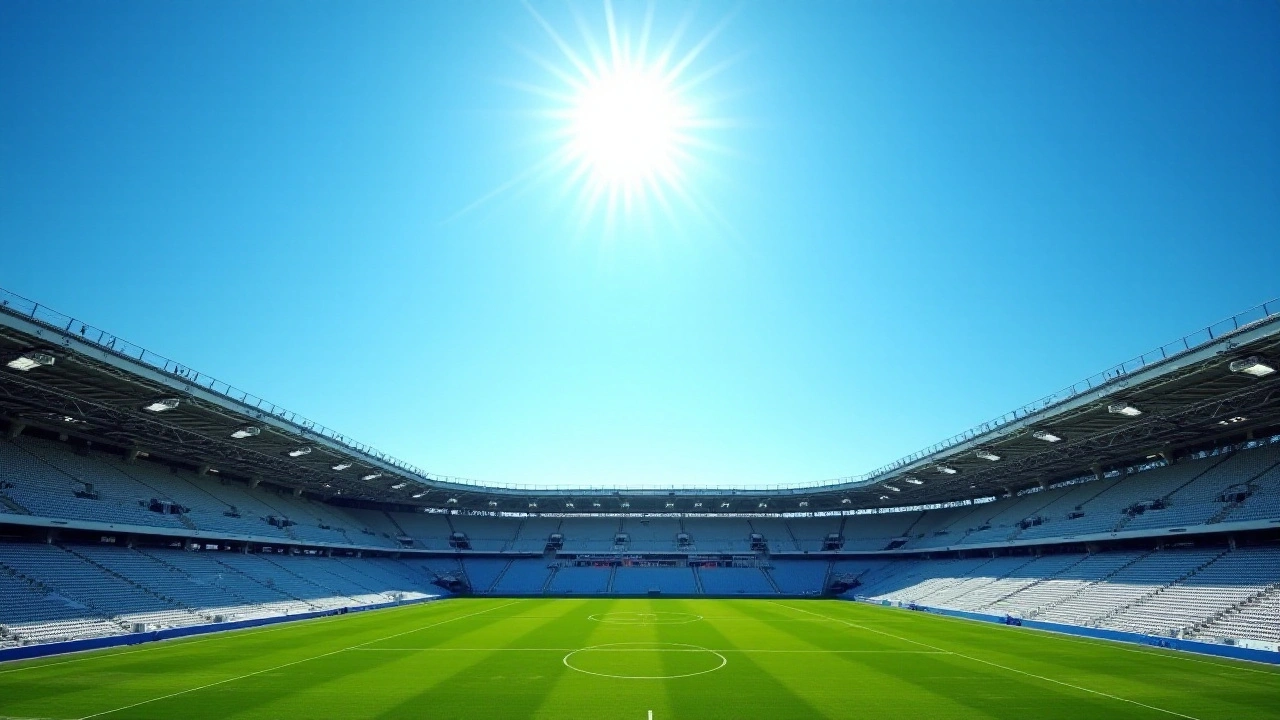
[[22, 307]]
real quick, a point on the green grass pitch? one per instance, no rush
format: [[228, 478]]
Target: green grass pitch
[[625, 658]]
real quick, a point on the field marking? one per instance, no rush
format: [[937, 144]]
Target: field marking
[[1187, 655], [992, 664], [617, 648], [549, 649], [191, 640], [295, 662], [684, 619]]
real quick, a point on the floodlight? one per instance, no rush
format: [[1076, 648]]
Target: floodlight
[[371, 476], [987, 455], [845, 501], [763, 505], [595, 504], [342, 466], [161, 405], [1046, 436], [246, 431], [804, 503], [724, 504], [418, 495], [884, 497], [947, 470], [493, 503], [30, 361], [399, 486], [626, 504], [299, 452], [1124, 409], [1233, 420], [913, 481], [533, 504], [568, 505], [670, 505], [1252, 366], [697, 504], [452, 501]]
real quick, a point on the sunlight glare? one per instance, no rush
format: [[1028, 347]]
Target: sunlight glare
[[624, 125]]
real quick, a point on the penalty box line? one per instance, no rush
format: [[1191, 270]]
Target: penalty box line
[[992, 664], [297, 662]]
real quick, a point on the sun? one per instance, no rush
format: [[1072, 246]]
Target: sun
[[625, 126], [626, 117]]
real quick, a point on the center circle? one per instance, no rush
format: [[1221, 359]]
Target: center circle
[[645, 618], [645, 660]]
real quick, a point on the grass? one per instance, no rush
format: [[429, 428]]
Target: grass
[[502, 658]]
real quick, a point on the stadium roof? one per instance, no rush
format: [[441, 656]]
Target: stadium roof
[[1198, 390]]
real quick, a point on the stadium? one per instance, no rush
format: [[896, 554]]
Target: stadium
[[145, 502], [644, 272]]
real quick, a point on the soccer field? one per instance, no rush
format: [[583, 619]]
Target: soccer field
[[594, 658]]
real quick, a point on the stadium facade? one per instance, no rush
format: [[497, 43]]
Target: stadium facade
[[137, 494]]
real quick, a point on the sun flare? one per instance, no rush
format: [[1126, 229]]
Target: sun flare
[[625, 124]]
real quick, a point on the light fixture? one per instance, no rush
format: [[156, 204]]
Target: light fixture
[[452, 501], [763, 505], [595, 504], [1252, 366], [162, 405], [913, 481], [1046, 436], [1233, 420], [724, 504], [299, 452], [670, 505], [533, 504], [884, 497], [697, 504], [399, 486], [845, 501], [492, 503], [30, 361], [1124, 409], [246, 431], [371, 476], [804, 503], [892, 487], [947, 470], [626, 504], [419, 495], [569, 505], [342, 466], [987, 455]]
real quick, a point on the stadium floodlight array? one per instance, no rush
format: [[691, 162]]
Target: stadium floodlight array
[[371, 476], [987, 455], [342, 466], [1124, 409], [400, 486], [913, 481], [30, 361], [1046, 436], [947, 470], [1252, 366], [161, 405], [420, 495], [299, 452], [894, 488], [246, 431]]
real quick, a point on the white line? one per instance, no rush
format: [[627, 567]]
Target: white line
[[650, 715], [234, 633], [295, 662], [988, 662], [566, 649]]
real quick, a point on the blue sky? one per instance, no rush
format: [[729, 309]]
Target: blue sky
[[897, 220]]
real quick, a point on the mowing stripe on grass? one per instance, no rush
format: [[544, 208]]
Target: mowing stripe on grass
[[296, 662], [992, 664]]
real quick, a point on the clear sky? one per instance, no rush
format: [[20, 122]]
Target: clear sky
[[854, 228]]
